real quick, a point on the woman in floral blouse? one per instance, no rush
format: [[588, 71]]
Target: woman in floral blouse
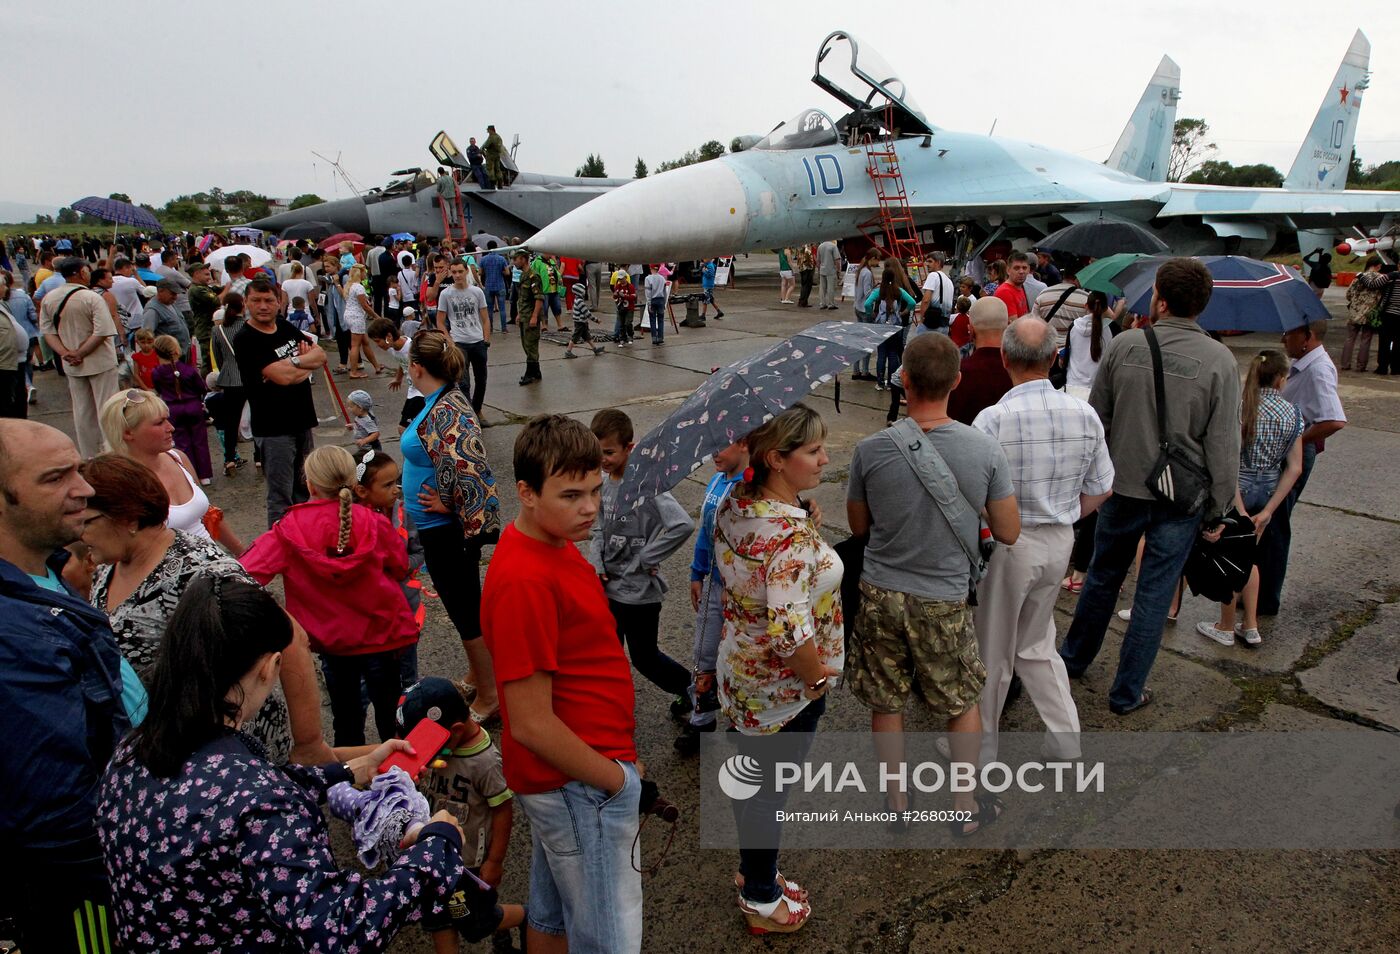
[[782, 640], [211, 846]]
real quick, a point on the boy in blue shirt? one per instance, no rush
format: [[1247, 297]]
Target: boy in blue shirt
[[707, 598], [707, 286]]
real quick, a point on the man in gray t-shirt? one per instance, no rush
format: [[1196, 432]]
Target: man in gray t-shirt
[[914, 627], [461, 314]]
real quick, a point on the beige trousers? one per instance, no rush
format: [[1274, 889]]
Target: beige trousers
[[89, 393], [1016, 633]]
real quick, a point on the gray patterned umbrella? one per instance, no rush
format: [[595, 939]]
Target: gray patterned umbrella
[[738, 398]]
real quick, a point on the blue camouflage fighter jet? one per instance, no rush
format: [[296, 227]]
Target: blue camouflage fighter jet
[[808, 179]]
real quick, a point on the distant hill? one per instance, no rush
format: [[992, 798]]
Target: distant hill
[[22, 212]]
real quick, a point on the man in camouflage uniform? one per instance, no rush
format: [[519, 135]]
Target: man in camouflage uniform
[[914, 628], [493, 148], [529, 303]]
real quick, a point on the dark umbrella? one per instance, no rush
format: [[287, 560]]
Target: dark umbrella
[[1248, 295], [1102, 237], [1219, 570], [333, 241], [314, 230], [736, 399], [116, 212]]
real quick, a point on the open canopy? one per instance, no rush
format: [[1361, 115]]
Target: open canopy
[[859, 77]]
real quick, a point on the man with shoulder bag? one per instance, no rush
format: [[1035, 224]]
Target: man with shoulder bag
[[917, 489], [1169, 399]]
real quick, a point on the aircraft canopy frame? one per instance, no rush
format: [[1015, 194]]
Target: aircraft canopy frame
[[857, 78]]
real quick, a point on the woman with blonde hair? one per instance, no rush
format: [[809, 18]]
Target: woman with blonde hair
[[341, 564], [136, 424], [358, 314], [782, 644], [1271, 460]]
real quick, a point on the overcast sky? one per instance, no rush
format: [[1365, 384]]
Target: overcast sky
[[177, 97]]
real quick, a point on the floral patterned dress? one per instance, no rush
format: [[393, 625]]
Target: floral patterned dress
[[233, 854], [782, 588], [138, 622]]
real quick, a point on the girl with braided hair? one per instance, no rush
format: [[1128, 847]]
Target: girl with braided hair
[[341, 563]]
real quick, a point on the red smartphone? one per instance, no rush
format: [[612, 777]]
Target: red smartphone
[[427, 739]]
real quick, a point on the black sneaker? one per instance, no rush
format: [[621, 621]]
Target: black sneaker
[[688, 742], [680, 708]]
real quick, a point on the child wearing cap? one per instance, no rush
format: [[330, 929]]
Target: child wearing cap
[[582, 316], [625, 295], [365, 427], [467, 780], [410, 324]]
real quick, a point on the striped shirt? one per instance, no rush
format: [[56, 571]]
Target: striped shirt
[[1056, 447], [1275, 429]]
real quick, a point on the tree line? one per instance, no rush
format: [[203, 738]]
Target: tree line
[[1191, 161], [593, 167]]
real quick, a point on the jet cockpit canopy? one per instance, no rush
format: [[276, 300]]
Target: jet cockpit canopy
[[860, 78], [807, 129]]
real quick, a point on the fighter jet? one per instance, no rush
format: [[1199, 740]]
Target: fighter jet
[[811, 178], [410, 202]]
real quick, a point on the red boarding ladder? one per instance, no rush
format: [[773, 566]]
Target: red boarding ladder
[[895, 219]]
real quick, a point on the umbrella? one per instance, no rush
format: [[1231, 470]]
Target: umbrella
[[403, 237], [258, 256], [1248, 295], [1102, 237], [205, 241], [738, 398], [314, 230], [1219, 570], [116, 212], [1099, 274], [332, 242]]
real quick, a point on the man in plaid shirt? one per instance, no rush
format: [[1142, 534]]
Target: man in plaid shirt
[[1061, 470]]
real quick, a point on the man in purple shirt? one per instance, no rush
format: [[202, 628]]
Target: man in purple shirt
[[984, 377]]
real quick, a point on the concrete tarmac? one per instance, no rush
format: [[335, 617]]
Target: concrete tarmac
[[1328, 661]]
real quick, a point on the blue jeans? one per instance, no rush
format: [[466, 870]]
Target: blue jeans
[[658, 319], [862, 366], [754, 817], [1169, 538], [887, 357], [583, 877], [496, 300], [709, 626], [1272, 558], [622, 328], [553, 301]]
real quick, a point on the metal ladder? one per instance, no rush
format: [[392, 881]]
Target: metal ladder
[[461, 217], [895, 221]]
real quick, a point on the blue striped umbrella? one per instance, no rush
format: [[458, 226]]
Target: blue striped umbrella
[[116, 211], [1248, 295]]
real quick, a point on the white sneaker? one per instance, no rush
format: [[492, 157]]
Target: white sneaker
[[1125, 614], [33, 395], [1250, 636], [1219, 635]]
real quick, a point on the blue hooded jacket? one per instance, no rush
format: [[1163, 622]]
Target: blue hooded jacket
[[60, 677]]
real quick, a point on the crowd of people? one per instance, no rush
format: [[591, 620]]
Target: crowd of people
[[175, 703]]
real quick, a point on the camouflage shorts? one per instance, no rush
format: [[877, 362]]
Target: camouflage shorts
[[902, 641]]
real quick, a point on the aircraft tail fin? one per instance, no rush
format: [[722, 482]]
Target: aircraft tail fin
[[1145, 145], [1324, 159]]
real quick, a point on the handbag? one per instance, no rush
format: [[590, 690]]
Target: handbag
[[1175, 479]]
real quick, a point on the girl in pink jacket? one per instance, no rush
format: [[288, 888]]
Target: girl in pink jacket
[[341, 563]]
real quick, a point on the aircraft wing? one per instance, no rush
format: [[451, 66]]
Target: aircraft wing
[[1301, 208]]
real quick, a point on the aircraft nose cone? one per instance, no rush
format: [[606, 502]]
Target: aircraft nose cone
[[686, 213]]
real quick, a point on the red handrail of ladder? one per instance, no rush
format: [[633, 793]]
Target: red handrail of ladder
[[895, 219], [461, 219]]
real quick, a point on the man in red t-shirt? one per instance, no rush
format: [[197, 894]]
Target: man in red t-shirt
[[1013, 290], [566, 700]]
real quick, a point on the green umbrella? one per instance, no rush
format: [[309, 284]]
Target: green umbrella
[[1098, 275]]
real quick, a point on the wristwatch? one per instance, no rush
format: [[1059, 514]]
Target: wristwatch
[[296, 360], [818, 686]]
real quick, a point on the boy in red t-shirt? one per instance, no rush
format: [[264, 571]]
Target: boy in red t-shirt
[[566, 700]]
